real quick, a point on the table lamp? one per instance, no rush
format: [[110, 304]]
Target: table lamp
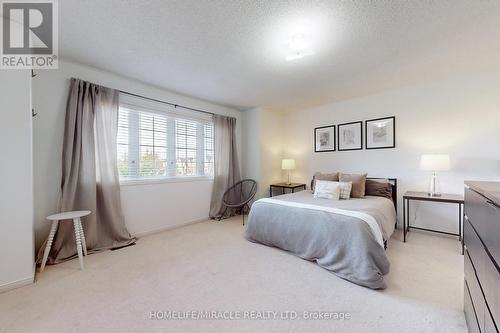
[[434, 163], [289, 165]]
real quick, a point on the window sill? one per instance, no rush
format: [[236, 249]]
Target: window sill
[[152, 181]]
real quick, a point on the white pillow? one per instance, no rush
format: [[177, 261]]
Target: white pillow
[[327, 190]]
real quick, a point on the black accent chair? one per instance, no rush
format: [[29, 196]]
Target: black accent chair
[[238, 196]]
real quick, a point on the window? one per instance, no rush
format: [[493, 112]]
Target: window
[[157, 141]]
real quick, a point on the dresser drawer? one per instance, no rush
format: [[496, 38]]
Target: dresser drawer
[[470, 314], [491, 234], [484, 215], [484, 268], [489, 325], [490, 282], [475, 248], [475, 291], [474, 209]]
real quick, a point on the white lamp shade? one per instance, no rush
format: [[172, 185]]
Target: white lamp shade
[[288, 164], [435, 162]]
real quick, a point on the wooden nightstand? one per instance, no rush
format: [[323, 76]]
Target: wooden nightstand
[[283, 186], [423, 196]]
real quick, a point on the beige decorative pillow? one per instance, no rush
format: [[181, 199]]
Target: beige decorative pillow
[[332, 177], [358, 183], [345, 190]]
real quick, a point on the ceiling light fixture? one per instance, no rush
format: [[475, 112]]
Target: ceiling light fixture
[[298, 47]]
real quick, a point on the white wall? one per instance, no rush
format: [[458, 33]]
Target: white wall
[[459, 116], [251, 156], [16, 191], [146, 207], [263, 148]]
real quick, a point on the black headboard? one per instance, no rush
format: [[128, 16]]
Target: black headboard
[[394, 186]]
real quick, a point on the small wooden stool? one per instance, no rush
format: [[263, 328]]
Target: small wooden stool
[[79, 236]]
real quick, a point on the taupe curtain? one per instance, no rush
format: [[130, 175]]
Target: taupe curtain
[[227, 169], [90, 176]]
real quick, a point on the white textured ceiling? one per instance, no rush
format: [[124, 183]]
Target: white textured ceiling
[[231, 52]]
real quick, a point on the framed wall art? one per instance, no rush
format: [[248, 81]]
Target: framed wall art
[[324, 139], [350, 136], [380, 133]]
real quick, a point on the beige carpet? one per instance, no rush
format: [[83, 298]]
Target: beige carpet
[[210, 267]]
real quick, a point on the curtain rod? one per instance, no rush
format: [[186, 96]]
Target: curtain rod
[[155, 100], [168, 103]]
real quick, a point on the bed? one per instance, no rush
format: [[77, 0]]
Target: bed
[[346, 237]]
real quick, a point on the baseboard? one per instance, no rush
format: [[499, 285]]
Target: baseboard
[[16, 284], [170, 227]]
